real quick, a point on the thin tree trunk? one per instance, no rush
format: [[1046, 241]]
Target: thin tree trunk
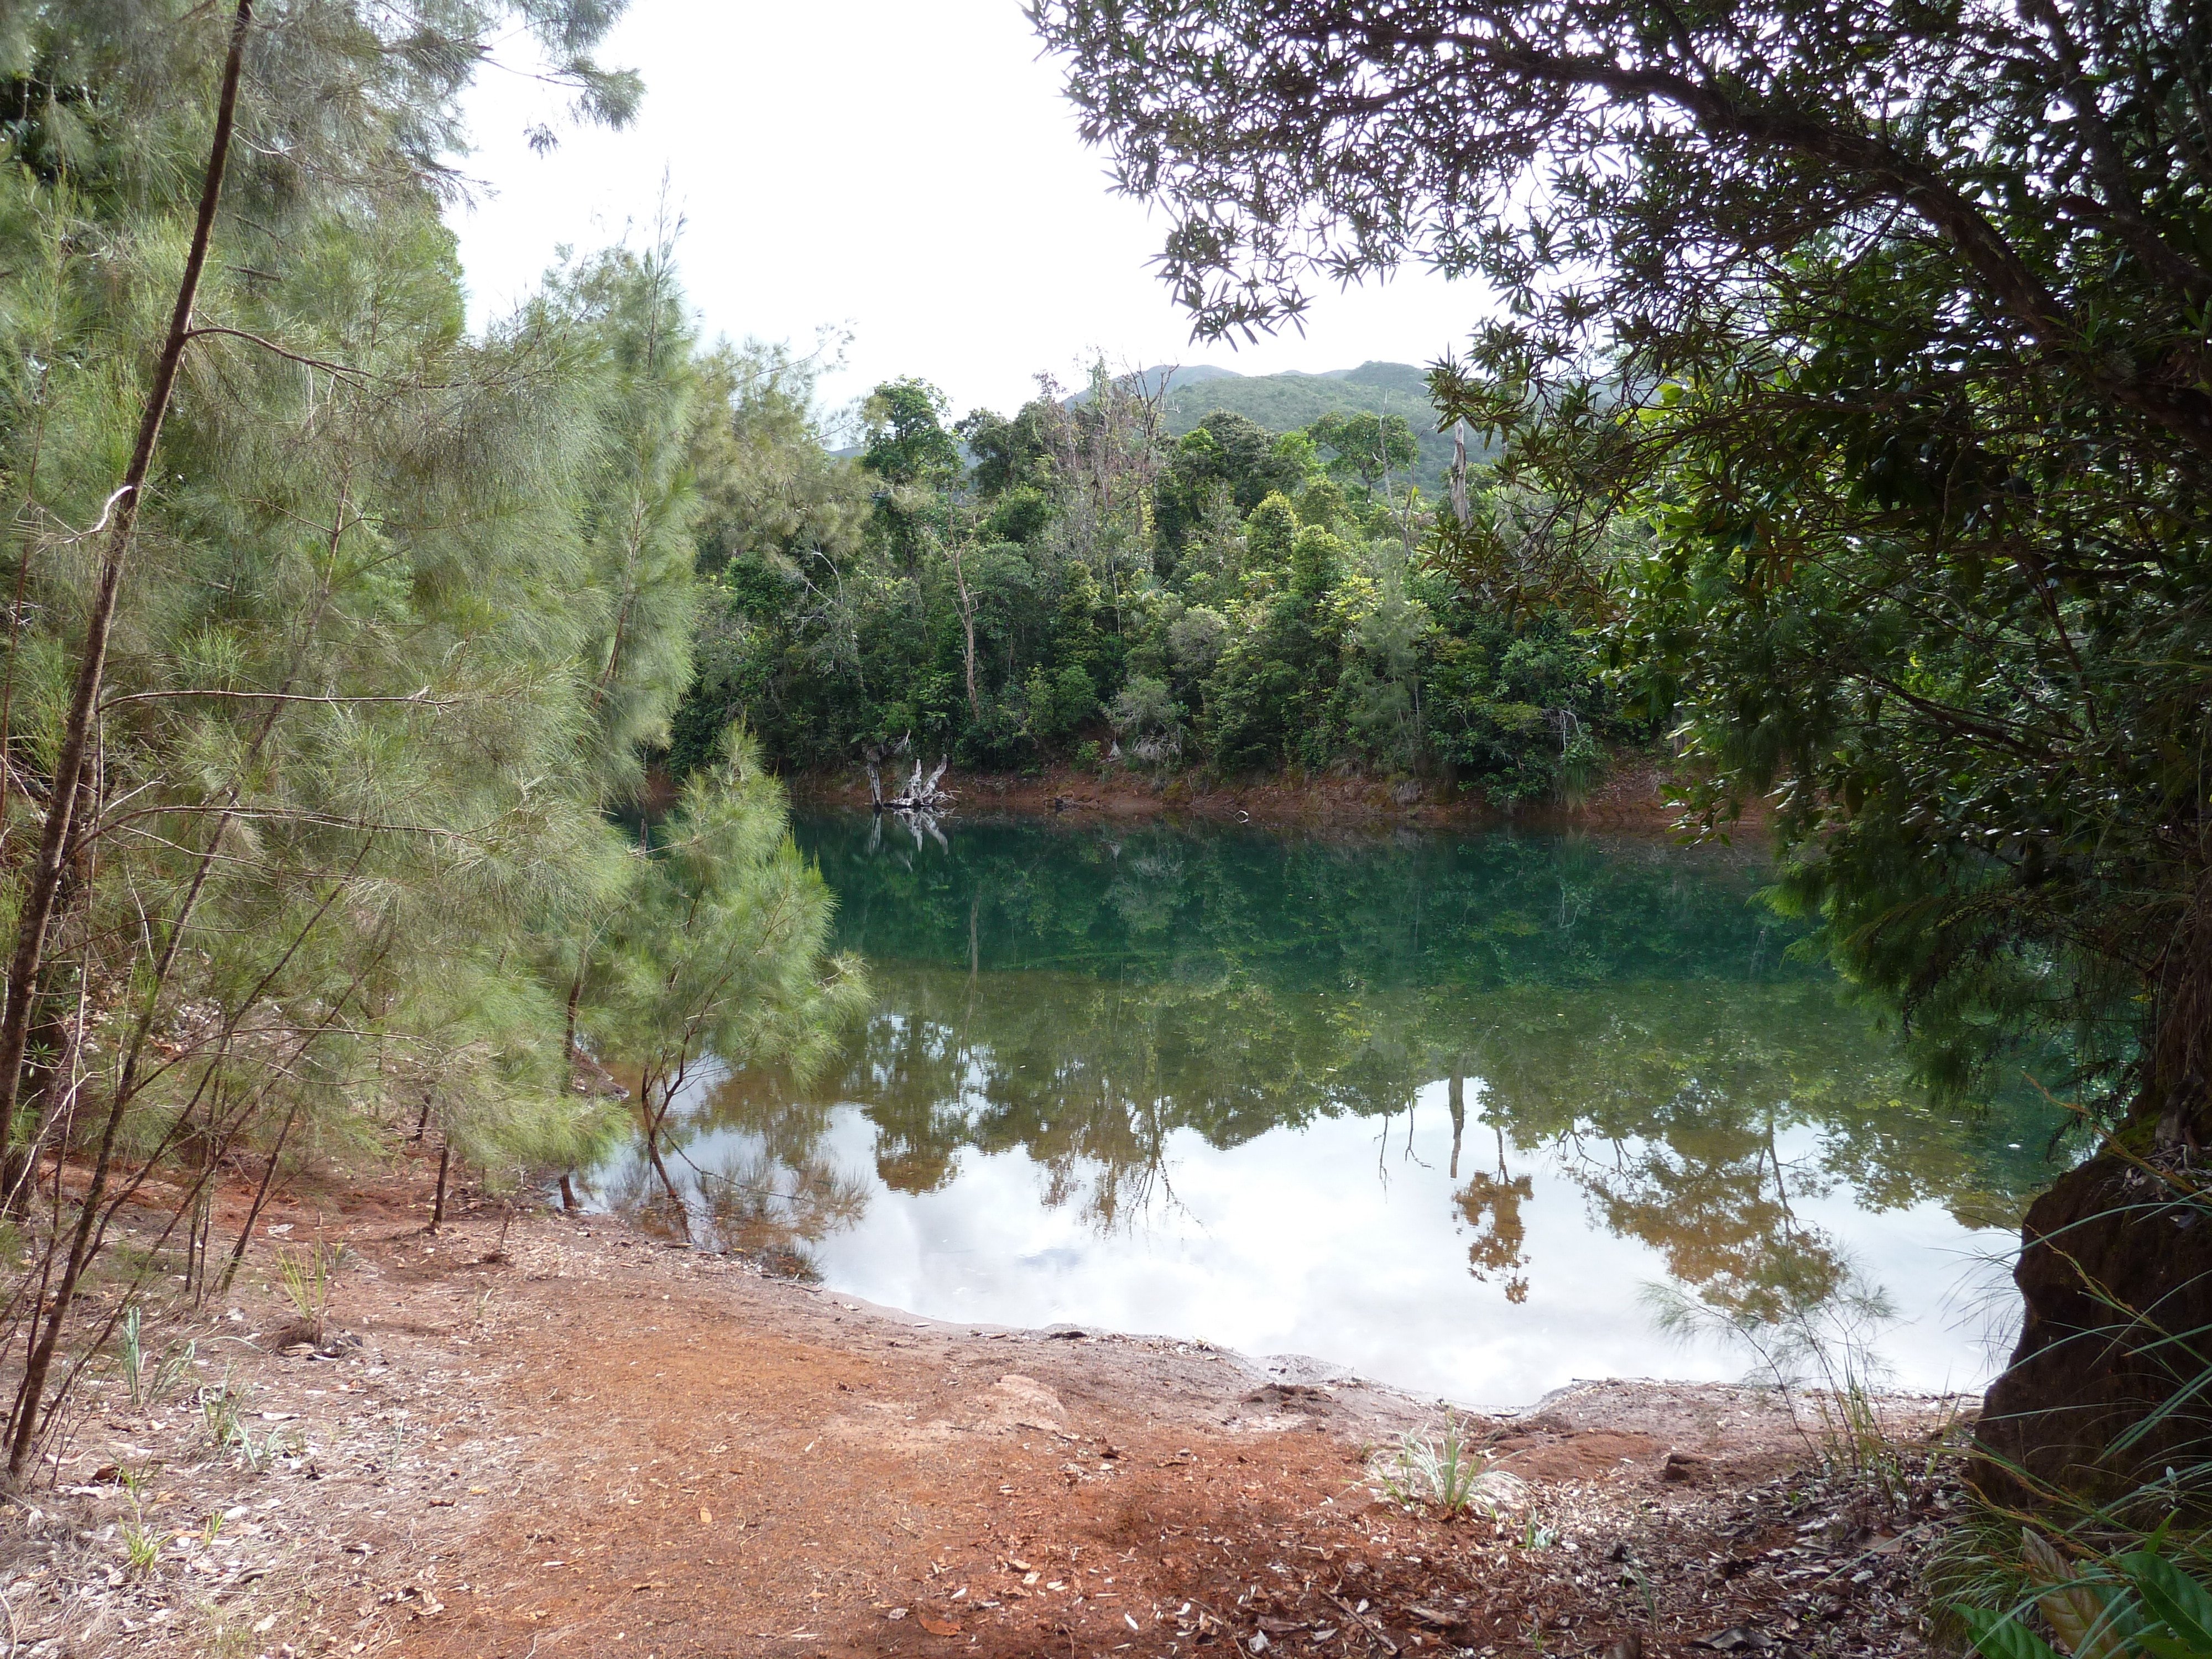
[[46, 875], [438, 1208], [652, 1121], [1458, 1102], [634, 544], [2178, 1084], [84, 1243], [260, 1197], [968, 627]]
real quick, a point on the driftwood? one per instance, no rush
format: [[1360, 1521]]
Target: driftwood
[[923, 795]]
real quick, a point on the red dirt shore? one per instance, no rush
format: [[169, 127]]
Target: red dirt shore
[[1632, 800], [590, 1443]]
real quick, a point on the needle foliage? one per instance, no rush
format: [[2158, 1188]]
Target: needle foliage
[[374, 643]]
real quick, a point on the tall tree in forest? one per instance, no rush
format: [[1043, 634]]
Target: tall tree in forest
[[639, 506]]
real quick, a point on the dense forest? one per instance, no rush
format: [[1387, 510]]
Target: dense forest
[[1074, 583]]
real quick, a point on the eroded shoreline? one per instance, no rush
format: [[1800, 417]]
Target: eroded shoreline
[[1630, 800], [591, 1438]]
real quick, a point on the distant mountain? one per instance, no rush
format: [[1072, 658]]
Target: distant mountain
[[1175, 376], [1283, 402]]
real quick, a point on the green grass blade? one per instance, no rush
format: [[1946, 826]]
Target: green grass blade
[[2000, 1635]]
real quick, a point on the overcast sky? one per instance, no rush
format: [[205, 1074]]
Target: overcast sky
[[908, 171]]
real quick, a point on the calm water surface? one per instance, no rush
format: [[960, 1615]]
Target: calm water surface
[[1439, 1108]]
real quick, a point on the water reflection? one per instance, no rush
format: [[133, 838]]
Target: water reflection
[[1522, 1024]]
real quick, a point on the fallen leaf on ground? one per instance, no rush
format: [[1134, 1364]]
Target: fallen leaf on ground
[[936, 1626]]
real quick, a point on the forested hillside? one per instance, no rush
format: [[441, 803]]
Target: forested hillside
[[1105, 578], [1285, 401]]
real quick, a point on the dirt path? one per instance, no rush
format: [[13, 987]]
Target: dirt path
[[599, 1445]]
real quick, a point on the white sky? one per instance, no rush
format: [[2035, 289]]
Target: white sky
[[908, 171]]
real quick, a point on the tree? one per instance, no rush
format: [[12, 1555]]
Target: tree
[[909, 448], [1835, 298], [1227, 454], [781, 524], [1368, 447], [311, 707], [907, 443], [625, 314], [1010, 455], [719, 953]]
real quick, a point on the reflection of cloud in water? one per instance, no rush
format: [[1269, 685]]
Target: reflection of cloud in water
[[1478, 1261], [1289, 1244], [1436, 1108], [1059, 1258]]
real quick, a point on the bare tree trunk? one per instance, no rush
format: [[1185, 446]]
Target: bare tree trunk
[[260, 1197], [1462, 509], [568, 1039], [37, 911], [2180, 1077], [654, 1119], [76, 729], [968, 628], [438, 1207], [1458, 1100]]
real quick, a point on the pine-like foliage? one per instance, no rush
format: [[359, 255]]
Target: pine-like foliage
[[392, 615]]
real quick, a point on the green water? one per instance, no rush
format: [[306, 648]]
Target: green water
[[1345, 1093]]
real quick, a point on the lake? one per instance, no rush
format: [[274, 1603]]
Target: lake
[[1448, 1110]]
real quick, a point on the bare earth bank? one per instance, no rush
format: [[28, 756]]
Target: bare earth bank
[[594, 1444], [1632, 800]]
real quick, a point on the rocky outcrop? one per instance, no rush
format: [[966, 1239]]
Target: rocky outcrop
[[2116, 1274]]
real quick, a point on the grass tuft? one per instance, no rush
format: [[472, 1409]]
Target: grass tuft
[[1439, 1468]]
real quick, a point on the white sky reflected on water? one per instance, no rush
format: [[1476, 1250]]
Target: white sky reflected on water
[[1297, 1242]]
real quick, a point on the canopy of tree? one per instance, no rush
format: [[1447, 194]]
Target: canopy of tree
[[1887, 320]]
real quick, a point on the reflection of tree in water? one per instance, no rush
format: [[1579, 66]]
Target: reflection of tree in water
[[1081, 999], [1490, 1205], [748, 1164], [1715, 1205], [1066, 1070], [771, 1210], [1668, 1105], [1669, 1110], [629, 1187]]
